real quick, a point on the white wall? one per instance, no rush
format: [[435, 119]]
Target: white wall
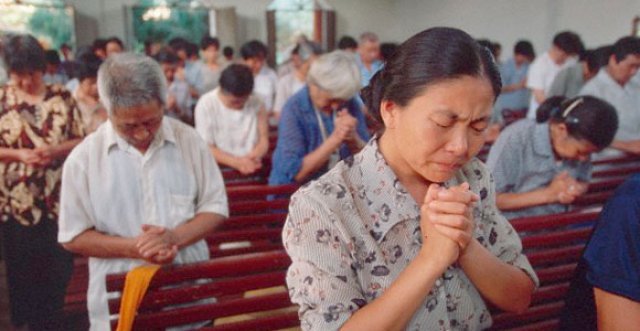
[[598, 22], [505, 21]]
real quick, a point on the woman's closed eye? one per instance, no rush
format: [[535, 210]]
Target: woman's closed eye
[[443, 122], [480, 126]]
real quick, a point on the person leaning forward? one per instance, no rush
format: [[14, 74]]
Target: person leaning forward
[[142, 189]]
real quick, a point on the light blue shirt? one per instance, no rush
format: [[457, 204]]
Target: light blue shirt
[[512, 74], [522, 160], [365, 73], [193, 75]]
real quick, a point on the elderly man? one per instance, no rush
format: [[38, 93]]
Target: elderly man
[[614, 84], [142, 189], [368, 56]]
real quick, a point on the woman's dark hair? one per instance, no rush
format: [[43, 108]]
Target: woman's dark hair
[[166, 55], [429, 57], [237, 80], [209, 41], [586, 117], [116, 40], [347, 42], [524, 47], [254, 49], [387, 50], [592, 59], [227, 51], [602, 54], [178, 43], [23, 54], [88, 69], [191, 49], [569, 42], [99, 44], [52, 57]]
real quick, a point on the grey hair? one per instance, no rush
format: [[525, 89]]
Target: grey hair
[[337, 73], [369, 36], [127, 80]]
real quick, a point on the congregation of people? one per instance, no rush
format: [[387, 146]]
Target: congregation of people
[[398, 224]]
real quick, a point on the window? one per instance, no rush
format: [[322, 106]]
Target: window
[[50, 21], [159, 21], [287, 20]]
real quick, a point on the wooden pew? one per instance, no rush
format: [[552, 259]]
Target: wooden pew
[[229, 280], [553, 244]]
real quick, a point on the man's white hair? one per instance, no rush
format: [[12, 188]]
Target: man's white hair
[[127, 80], [337, 73]]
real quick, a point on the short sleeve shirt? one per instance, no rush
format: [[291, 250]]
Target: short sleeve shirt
[[568, 82], [353, 231], [512, 74], [540, 77], [111, 187], [613, 253], [264, 86], [522, 160], [234, 131], [31, 193], [625, 99]]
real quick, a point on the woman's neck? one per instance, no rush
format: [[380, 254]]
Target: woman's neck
[[33, 96], [415, 184]]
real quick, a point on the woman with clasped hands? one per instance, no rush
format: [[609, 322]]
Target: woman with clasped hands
[[406, 234]]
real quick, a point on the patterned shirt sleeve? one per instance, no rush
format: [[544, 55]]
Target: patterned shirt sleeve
[[320, 279], [75, 126], [500, 238]]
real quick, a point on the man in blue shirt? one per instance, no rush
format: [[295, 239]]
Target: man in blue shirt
[[515, 95], [368, 56]]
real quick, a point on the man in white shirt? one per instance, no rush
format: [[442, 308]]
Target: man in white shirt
[[254, 55], [566, 45], [233, 121], [142, 189], [615, 85]]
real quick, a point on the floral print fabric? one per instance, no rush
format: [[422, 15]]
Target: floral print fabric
[[29, 193], [352, 232]]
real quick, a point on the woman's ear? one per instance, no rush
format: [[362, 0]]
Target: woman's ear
[[560, 130], [388, 112]]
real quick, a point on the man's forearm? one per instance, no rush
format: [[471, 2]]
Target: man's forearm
[[97, 244]]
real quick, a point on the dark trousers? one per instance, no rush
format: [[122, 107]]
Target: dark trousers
[[38, 271]]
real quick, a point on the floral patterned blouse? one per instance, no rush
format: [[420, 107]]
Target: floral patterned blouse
[[352, 232], [28, 194]]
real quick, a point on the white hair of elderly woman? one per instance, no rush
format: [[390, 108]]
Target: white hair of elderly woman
[[337, 73], [128, 80]]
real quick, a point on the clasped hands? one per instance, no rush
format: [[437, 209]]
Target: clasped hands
[[249, 163], [344, 127], [565, 189], [156, 244], [447, 223]]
